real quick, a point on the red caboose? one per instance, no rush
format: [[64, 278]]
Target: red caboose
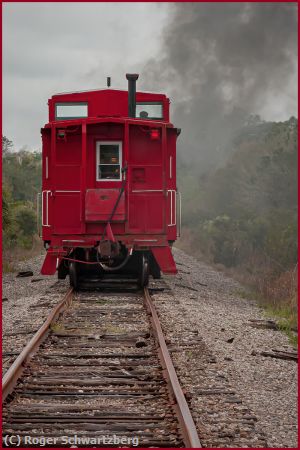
[[109, 199]]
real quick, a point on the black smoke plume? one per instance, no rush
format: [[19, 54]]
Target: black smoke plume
[[221, 62]]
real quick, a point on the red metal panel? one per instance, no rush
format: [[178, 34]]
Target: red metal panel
[[99, 204], [67, 177], [49, 264], [146, 178], [146, 196], [52, 257], [53, 153], [146, 213], [171, 209], [97, 228], [143, 150], [165, 260], [83, 177], [68, 150], [127, 174], [66, 214], [164, 152]]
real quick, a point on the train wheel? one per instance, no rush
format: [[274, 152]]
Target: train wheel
[[62, 271], [144, 273], [73, 275], [154, 267]]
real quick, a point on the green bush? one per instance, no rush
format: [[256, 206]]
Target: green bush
[[6, 208], [26, 220]]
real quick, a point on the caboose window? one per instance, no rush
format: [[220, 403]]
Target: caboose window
[[149, 110], [109, 161], [65, 111]]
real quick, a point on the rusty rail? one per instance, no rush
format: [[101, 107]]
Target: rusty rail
[[14, 372], [187, 426], [190, 435]]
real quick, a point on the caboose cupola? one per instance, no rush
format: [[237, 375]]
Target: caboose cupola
[[104, 103]]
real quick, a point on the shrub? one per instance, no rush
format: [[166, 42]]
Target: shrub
[[26, 221]]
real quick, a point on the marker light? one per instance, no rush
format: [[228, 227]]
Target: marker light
[[154, 134], [61, 134]]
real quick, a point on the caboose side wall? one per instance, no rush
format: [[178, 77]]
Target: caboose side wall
[[146, 182], [150, 185], [171, 185]]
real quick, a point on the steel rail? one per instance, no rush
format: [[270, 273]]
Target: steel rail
[[14, 372], [190, 435]]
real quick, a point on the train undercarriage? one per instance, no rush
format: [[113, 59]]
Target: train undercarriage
[[88, 267]]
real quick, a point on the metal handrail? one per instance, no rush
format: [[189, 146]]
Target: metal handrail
[[179, 228], [47, 212], [172, 224], [38, 196]]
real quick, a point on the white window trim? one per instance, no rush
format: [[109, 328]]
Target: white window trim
[[152, 117], [98, 143], [65, 116]]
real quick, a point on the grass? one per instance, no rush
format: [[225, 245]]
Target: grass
[[113, 329], [101, 302], [8, 266], [286, 319], [11, 256], [57, 327], [283, 311], [189, 354], [280, 299], [244, 294]]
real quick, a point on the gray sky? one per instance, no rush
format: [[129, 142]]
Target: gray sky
[[52, 47], [57, 47]]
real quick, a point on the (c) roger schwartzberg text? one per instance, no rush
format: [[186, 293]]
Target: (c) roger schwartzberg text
[[44, 441]]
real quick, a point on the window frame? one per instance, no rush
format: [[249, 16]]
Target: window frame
[[98, 144], [151, 103], [72, 104]]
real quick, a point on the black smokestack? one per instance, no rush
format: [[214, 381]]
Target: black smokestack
[[131, 77]]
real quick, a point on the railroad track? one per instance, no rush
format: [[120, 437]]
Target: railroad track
[[97, 374]]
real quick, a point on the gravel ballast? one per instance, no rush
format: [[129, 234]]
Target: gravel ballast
[[238, 398], [206, 304], [28, 301]]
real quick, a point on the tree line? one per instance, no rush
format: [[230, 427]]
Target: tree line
[[243, 215], [21, 182]]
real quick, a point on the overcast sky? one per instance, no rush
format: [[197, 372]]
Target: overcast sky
[[52, 47], [58, 47]]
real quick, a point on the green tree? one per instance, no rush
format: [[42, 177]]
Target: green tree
[[6, 208], [22, 172], [7, 145], [26, 220]]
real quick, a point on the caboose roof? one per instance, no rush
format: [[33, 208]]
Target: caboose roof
[[105, 93], [105, 90]]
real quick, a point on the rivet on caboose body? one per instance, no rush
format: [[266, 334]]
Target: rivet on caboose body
[[109, 200]]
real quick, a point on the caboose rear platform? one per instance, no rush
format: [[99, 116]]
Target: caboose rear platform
[[109, 199]]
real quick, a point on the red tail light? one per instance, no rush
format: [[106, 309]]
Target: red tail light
[[154, 134]]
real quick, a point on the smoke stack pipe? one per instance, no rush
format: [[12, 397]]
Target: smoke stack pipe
[[131, 77]]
